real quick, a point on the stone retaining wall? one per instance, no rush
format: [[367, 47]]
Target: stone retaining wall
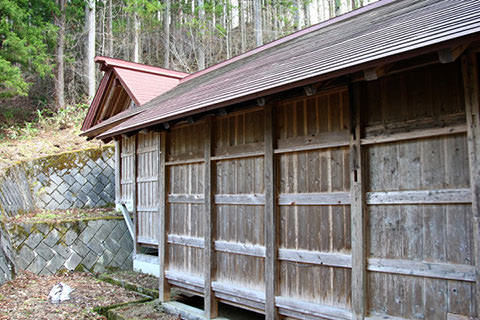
[[68, 180], [46, 248], [7, 260]]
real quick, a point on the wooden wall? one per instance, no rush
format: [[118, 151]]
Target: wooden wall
[[371, 180]]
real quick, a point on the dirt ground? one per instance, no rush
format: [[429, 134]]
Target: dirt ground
[[140, 279], [27, 297]]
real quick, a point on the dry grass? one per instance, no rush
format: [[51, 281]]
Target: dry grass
[[54, 216], [46, 135]]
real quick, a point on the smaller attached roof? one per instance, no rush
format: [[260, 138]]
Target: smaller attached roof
[[141, 82]]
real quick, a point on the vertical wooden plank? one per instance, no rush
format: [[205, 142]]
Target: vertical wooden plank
[[134, 192], [118, 160], [271, 244], [359, 296], [472, 110], [164, 288], [211, 304]]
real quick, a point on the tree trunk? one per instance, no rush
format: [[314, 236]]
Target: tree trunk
[[201, 47], [90, 56], [228, 36], [110, 29], [136, 37], [257, 22], [243, 32], [306, 14], [166, 35], [60, 76]]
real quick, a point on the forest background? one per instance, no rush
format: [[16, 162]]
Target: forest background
[[47, 47]]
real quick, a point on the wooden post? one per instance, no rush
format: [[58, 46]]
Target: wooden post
[[271, 245], [472, 111], [211, 304], [163, 288], [118, 163], [359, 270], [134, 193]]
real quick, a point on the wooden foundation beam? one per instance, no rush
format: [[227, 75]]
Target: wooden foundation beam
[[164, 287], [359, 262], [210, 302], [472, 111], [271, 241]]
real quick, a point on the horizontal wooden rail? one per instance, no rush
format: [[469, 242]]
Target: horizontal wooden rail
[[420, 197], [320, 198], [238, 156], [240, 248], [145, 240], [186, 198], [240, 199], [440, 196], [417, 134], [147, 209], [147, 179], [331, 259], [184, 162], [303, 309], [185, 280], [310, 147], [423, 269], [188, 241]]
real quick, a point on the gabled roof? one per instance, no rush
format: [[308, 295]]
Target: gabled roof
[[354, 41], [141, 82]]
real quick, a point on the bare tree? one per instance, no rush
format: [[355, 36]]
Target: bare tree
[[90, 56], [166, 35], [109, 51], [136, 37], [201, 44], [243, 31], [257, 22], [60, 71]]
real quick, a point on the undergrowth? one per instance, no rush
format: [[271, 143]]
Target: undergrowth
[[45, 134]]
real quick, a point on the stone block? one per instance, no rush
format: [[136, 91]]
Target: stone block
[[98, 187], [121, 257], [76, 186], [45, 272], [34, 239], [117, 232], [52, 238], [52, 205], [73, 261], [43, 228], [63, 187], [43, 250], [65, 204], [69, 179], [56, 179], [126, 241], [96, 170], [55, 263], [62, 250], [87, 187], [27, 255], [111, 245], [37, 265], [57, 196], [89, 260], [87, 234], [70, 236], [95, 246], [85, 171], [103, 233], [80, 248]]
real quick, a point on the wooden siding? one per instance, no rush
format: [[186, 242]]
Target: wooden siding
[[371, 179]]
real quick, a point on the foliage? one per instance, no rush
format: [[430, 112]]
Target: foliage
[[26, 34]]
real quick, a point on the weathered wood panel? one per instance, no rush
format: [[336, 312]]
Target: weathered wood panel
[[314, 228], [126, 168], [420, 257], [186, 218], [147, 187]]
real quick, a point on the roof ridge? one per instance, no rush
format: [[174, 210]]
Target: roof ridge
[[120, 63], [292, 36]]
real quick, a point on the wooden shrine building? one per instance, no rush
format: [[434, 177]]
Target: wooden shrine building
[[330, 174]]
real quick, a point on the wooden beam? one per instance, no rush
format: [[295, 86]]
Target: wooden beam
[[118, 172], [472, 111], [134, 193], [211, 303], [163, 288], [451, 54], [375, 73], [359, 271], [441, 196], [270, 222]]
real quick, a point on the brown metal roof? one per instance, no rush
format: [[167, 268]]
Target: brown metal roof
[[387, 30]]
